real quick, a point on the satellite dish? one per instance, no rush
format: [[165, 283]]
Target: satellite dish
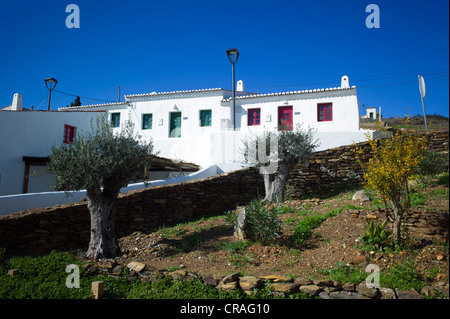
[[422, 86]]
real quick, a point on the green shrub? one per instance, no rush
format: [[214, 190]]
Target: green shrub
[[375, 236], [443, 179], [264, 224], [432, 163]]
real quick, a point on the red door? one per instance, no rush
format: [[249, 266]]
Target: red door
[[285, 118]]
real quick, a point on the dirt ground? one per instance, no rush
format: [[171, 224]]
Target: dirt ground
[[201, 246]]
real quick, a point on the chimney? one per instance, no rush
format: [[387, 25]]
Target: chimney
[[240, 86], [17, 103], [344, 82]]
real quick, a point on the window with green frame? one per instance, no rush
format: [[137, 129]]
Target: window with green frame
[[205, 118], [115, 119], [147, 121]]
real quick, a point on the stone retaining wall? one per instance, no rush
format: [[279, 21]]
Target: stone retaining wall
[[39, 231], [331, 168]]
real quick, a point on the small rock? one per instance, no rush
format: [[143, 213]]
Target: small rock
[[228, 286], [277, 278], [177, 274], [210, 281], [117, 270], [240, 227], [428, 291], [249, 283], [341, 295], [373, 293], [358, 260], [136, 266], [387, 293], [409, 294], [97, 289], [303, 281], [360, 197], [283, 286], [230, 278], [323, 282], [312, 290], [337, 285], [349, 286], [13, 272], [92, 269]]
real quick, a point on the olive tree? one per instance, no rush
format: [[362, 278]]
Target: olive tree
[[101, 162], [275, 153]]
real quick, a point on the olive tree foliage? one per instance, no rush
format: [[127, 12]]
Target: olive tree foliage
[[275, 153], [101, 162]]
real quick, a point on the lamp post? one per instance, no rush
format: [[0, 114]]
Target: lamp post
[[233, 55], [50, 83]]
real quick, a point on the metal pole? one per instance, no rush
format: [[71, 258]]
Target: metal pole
[[424, 116], [234, 103], [49, 98]]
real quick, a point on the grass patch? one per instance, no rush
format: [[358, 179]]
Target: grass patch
[[303, 230], [402, 276], [45, 278], [343, 273]]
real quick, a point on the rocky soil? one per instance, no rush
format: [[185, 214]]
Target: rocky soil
[[207, 248]]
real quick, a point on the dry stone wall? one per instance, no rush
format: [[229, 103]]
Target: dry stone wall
[[63, 227], [331, 168], [39, 231]]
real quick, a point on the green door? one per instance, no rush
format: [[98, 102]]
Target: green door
[[175, 124]]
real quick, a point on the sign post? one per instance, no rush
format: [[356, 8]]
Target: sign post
[[422, 95]]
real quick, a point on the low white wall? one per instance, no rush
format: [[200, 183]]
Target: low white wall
[[14, 203], [228, 152]]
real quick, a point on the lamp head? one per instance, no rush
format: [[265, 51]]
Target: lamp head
[[233, 55], [50, 83]]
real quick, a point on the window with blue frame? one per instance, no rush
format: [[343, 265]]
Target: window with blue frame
[[147, 121], [205, 118], [115, 119]]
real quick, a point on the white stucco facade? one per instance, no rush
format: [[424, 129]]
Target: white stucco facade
[[32, 134], [194, 126], [219, 142]]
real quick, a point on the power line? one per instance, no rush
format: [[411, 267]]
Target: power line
[[40, 102], [380, 78], [88, 98], [401, 83]]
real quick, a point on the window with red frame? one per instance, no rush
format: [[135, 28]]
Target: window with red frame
[[254, 117], [69, 133], [325, 112]]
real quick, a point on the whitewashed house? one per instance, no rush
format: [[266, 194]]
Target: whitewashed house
[[201, 126], [26, 140], [197, 126]]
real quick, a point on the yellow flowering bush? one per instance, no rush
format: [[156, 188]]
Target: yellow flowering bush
[[395, 155]]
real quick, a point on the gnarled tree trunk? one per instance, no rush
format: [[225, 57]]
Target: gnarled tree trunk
[[275, 186], [102, 208]]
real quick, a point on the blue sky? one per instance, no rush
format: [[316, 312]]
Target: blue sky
[[145, 46]]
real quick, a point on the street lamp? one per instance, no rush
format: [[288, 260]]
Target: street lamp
[[233, 55], [50, 83]]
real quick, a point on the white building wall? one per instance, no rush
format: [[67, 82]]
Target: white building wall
[[32, 133], [304, 106]]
